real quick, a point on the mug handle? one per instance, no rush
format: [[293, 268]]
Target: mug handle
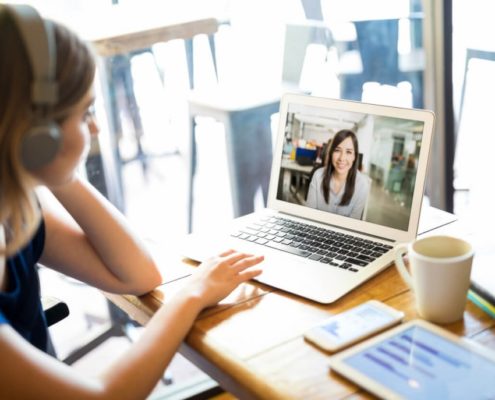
[[400, 250]]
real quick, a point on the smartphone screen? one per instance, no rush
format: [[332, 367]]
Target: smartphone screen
[[353, 325], [355, 322]]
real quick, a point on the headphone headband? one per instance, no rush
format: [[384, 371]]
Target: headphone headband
[[39, 38], [42, 141]]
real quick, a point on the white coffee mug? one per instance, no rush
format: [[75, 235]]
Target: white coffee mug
[[440, 271]]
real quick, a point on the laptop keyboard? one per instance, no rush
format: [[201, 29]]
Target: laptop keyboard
[[319, 244]]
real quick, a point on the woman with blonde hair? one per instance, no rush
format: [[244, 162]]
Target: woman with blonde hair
[[46, 120]]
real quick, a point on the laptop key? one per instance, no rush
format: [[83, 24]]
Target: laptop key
[[365, 258], [355, 261], [288, 249], [318, 244]]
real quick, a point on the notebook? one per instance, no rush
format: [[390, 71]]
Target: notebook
[[482, 291], [322, 250]]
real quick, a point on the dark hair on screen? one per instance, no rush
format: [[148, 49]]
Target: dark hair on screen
[[339, 137]]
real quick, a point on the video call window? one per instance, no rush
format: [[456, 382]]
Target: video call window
[[356, 165]]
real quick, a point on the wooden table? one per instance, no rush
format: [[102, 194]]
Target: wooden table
[[252, 342]]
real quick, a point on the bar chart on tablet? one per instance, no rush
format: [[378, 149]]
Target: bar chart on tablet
[[418, 364]]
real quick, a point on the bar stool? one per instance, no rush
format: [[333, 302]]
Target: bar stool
[[248, 141]]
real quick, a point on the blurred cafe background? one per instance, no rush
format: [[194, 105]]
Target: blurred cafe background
[[176, 78]]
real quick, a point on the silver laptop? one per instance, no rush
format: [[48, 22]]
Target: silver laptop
[[321, 247]]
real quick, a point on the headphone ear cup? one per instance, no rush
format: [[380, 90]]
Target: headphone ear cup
[[40, 146]]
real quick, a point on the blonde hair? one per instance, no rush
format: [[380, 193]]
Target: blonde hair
[[75, 69]]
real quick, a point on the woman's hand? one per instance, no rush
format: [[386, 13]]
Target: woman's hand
[[218, 276]]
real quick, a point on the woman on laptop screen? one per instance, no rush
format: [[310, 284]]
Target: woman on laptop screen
[[339, 187]]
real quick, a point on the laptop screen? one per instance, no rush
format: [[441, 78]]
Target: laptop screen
[[354, 160]]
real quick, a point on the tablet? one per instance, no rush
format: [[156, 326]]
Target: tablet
[[419, 360]]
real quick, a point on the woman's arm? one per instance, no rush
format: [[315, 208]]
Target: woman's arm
[[26, 372], [89, 239]]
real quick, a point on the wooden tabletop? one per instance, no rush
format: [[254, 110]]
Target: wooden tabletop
[[123, 28], [112, 42], [252, 342]]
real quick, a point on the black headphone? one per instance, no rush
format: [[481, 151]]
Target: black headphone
[[42, 141]]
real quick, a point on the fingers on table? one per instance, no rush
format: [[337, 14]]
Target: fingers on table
[[226, 253], [246, 262], [240, 262]]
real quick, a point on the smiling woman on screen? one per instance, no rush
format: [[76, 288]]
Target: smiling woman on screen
[[339, 187]]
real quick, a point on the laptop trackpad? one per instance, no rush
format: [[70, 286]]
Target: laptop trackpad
[[319, 282]]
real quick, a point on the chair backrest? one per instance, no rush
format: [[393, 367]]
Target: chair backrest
[[298, 36], [55, 310]]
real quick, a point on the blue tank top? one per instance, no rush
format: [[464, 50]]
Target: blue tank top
[[20, 304]]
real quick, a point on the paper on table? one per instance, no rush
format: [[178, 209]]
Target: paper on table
[[433, 218], [483, 272]]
